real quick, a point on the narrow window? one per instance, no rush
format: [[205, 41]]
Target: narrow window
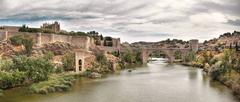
[[80, 65]]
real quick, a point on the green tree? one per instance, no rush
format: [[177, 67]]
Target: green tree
[[68, 61], [178, 54], [101, 58], [37, 69], [191, 56], [11, 79], [28, 44], [128, 57], [228, 60], [48, 56]]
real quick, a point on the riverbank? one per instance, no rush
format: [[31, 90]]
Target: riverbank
[[230, 80], [55, 83]]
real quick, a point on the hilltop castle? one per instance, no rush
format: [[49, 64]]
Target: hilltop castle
[[55, 27]]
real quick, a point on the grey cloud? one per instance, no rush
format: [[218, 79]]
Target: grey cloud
[[234, 22], [168, 20], [229, 7], [131, 17]]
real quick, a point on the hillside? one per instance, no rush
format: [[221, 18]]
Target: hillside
[[174, 43], [224, 40]]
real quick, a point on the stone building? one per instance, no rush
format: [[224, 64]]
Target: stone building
[[55, 27], [116, 42], [83, 60], [194, 45]]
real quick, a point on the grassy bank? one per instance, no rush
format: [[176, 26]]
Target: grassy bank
[[231, 80], [55, 83]]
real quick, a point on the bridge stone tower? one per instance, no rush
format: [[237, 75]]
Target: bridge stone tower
[[194, 45], [144, 56]]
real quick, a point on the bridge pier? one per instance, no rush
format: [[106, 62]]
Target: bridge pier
[[144, 56], [170, 55]]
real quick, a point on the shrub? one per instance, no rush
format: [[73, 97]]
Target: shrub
[[60, 82], [59, 69], [116, 53], [215, 74], [68, 61], [101, 58], [25, 40], [128, 57], [17, 40], [11, 79], [48, 56], [28, 44], [37, 69], [6, 65], [178, 55], [190, 56]]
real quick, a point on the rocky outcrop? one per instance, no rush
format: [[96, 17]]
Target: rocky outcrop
[[7, 49], [112, 58], [89, 62], [94, 75], [58, 48]]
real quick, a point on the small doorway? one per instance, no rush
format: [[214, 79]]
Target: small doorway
[[80, 65]]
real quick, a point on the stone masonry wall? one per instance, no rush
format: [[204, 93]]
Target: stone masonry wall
[[83, 42]]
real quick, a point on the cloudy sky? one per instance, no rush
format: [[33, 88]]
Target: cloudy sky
[[131, 20]]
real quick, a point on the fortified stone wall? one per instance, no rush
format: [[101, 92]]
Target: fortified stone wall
[[45, 38], [2, 35], [6, 35], [78, 41], [83, 42], [11, 29], [61, 38]]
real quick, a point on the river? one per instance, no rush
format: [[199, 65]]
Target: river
[[156, 82]]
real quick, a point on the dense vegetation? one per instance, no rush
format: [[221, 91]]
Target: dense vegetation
[[24, 40], [222, 66], [23, 70], [68, 61], [178, 54], [102, 65], [56, 82], [25, 28], [191, 56], [131, 57]]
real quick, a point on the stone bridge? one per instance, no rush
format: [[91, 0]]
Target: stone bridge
[[170, 52]]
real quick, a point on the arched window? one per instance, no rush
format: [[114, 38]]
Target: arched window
[[80, 65]]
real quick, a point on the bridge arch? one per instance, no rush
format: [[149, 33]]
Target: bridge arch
[[169, 52]]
